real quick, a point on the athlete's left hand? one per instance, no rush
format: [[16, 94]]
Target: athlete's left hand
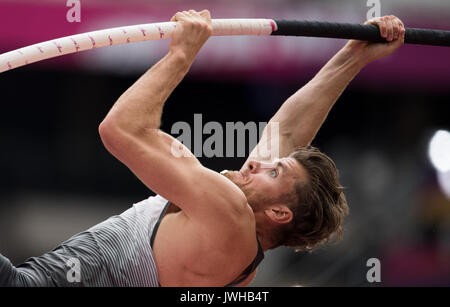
[[391, 28]]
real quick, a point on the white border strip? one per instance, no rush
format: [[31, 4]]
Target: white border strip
[[124, 35]]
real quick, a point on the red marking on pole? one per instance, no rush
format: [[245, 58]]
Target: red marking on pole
[[143, 31], [92, 41], [110, 40], [272, 23], [58, 46], [9, 65], [40, 49], [76, 44], [161, 32], [128, 39]]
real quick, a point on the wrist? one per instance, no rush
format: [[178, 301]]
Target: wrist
[[355, 51], [183, 54], [180, 58]]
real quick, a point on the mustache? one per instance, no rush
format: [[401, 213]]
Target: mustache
[[233, 176]]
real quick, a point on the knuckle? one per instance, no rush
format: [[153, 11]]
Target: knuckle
[[189, 24]]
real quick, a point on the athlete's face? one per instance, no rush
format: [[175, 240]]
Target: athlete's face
[[266, 183]]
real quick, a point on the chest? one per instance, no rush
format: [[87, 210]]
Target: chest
[[186, 257]]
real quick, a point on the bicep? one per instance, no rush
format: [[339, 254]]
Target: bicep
[[169, 169]]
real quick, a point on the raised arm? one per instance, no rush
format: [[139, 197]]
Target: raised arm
[[131, 131], [301, 116]]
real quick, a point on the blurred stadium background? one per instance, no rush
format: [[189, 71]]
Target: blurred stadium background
[[56, 179]]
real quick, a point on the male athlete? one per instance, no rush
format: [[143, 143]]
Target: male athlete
[[204, 228]]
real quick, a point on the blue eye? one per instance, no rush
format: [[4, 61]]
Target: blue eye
[[274, 173]]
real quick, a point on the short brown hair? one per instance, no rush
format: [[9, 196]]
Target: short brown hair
[[318, 205]]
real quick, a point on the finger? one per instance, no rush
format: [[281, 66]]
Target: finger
[[395, 44], [196, 18], [383, 27], [174, 17], [177, 16], [372, 21], [202, 18], [389, 29], [396, 28], [400, 22], [402, 34], [196, 15], [206, 14], [193, 13], [401, 29]]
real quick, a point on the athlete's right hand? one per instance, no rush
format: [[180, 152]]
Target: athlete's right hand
[[192, 31]]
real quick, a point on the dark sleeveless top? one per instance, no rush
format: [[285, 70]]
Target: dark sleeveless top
[[246, 273]]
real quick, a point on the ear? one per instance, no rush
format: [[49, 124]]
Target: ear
[[279, 214]]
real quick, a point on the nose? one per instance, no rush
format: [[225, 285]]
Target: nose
[[254, 166]]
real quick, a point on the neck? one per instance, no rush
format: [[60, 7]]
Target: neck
[[265, 243], [264, 235]]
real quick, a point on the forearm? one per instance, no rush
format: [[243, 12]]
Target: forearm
[[301, 116], [140, 107]]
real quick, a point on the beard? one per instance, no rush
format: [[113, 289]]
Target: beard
[[254, 198]]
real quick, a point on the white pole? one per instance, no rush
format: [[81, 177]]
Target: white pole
[[124, 35]]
